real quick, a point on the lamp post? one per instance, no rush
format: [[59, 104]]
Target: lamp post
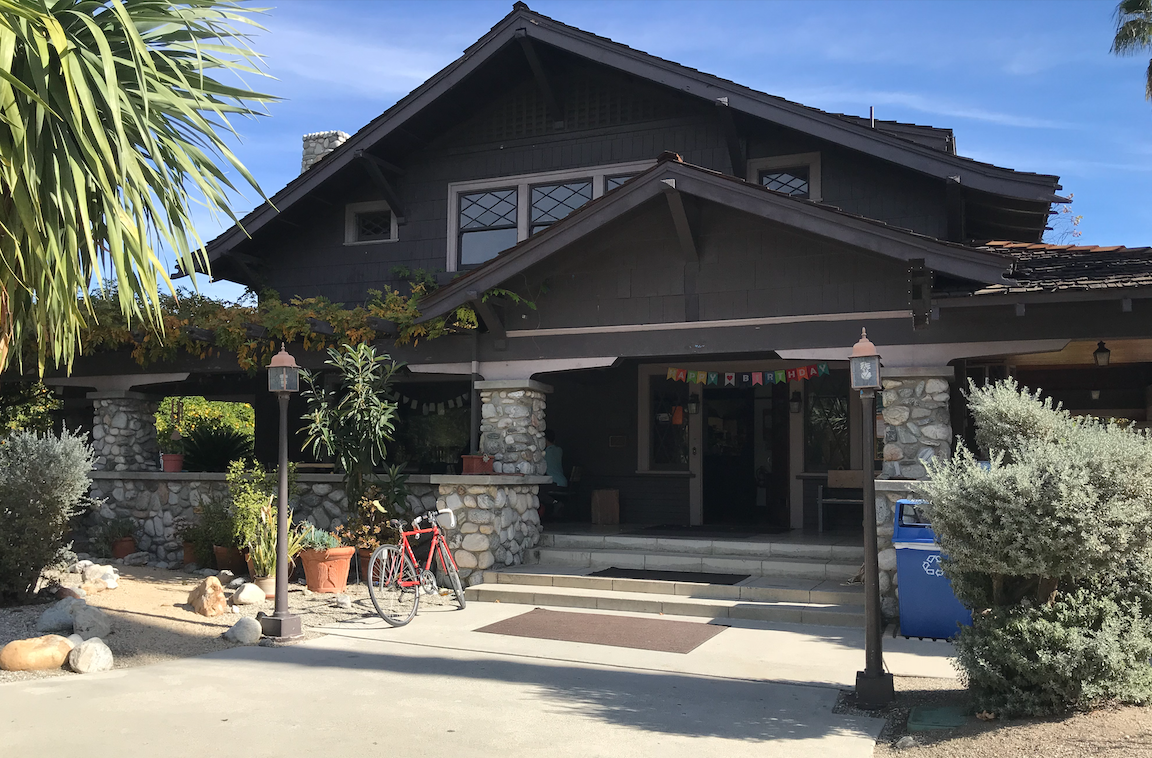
[[283, 380], [874, 687]]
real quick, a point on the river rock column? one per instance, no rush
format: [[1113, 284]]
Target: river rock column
[[512, 425], [124, 431], [917, 419]]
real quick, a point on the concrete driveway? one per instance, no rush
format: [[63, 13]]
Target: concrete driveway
[[439, 688]]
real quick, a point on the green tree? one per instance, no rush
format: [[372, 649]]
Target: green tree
[[113, 120], [1134, 34]]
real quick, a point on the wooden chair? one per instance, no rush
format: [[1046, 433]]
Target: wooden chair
[[838, 482]]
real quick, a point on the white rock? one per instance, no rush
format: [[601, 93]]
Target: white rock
[[343, 601], [95, 571], [78, 567], [248, 594], [906, 742], [75, 639], [110, 580], [236, 583], [91, 622], [234, 609], [90, 657], [59, 617], [246, 631], [225, 577]]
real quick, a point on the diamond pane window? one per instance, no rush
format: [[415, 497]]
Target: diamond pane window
[[612, 182], [373, 225], [487, 225], [552, 202], [791, 181]]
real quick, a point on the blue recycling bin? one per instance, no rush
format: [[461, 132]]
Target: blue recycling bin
[[928, 606]]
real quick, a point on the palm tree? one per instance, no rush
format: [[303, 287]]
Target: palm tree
[[113, 120], [1134, 33]]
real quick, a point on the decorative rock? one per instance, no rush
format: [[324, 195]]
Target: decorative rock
[[90, 657], [93, 572], [75, 639], [896, 414], [907, 740], [59, 617], [70, 592], [208, 598], [209, 572], [246, 631], [235, 583], [91, 588], [79, 566], [343, 601], [225, 577], [109, 580], [91, 622], [936, 432], [248, 594], [36, 654]]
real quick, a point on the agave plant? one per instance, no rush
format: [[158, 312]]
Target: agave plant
[[262, 547], [213, 448], [113, 120]]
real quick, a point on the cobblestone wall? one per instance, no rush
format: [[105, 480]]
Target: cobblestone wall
[[887, 493], [124, 434], [317, 145], [918, 425], [512, 428]]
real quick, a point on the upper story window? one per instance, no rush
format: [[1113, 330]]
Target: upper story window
[[492, 215], [366, 223], [796, 175], [487, 224]]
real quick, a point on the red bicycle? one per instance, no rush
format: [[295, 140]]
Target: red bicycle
[[395, 579]]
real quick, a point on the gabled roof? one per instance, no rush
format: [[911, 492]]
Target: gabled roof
[[855, 134], [983, 266], [1053, 268]]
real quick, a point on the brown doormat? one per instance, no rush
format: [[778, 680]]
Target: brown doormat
[[670, 576], [617, 631]]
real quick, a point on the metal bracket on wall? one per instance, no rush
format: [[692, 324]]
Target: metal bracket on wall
[[920, 281]]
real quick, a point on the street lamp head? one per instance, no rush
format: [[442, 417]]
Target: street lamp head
[[283, 372], [865, 362], [1101, 355]]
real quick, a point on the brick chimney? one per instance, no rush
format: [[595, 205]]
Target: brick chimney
[[319, 144]]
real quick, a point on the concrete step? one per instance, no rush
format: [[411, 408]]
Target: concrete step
[[655, 560], [759, 589], [679, 605], [732, 548]]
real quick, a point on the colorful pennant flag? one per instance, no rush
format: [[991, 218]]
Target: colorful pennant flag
[[726, 379]]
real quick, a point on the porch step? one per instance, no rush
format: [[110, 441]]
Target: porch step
[[756, 547], [800, 603]]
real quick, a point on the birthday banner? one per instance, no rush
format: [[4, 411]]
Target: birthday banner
[[747, 378], [429, 408]]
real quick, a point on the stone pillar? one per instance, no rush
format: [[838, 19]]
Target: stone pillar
[[124, 431], [512, 425], [917, 420]]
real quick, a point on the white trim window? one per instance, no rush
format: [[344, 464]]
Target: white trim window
[[369, 223], [489, 216], [796, 175]]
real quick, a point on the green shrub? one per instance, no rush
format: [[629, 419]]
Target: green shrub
[[43, 483], [100, 538], [1051, 547], [251, 489], [213, 449]]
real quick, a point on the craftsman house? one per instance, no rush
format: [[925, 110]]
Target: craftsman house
[[682, 265]]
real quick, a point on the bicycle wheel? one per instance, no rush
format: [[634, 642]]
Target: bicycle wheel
[[393, 585], [448, 569]]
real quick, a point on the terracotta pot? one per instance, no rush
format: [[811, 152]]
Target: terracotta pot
[[172, 462], [189, 553], [266, 583], [327, 570], [229, 558], [477, 464], [365, 556], [123, 547]]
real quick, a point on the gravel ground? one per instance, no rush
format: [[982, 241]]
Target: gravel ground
[[151, 621], [1120, 732]]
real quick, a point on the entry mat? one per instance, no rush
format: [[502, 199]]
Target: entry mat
[[670, 576], [617, 631]]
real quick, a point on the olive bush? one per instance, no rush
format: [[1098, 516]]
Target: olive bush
[[43, 483], [1050, 545]]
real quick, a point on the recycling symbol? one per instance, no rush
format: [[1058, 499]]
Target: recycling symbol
[[932, 566]]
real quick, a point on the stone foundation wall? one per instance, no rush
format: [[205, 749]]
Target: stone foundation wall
[[887, 493], [497, 520], [512, 426], [918, 425], [124, 433]]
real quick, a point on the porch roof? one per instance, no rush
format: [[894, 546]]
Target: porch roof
[[671, 175], [1053, 268]]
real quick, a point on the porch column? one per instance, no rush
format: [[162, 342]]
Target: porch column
[[512, 425], [917, 428], [124, 431]]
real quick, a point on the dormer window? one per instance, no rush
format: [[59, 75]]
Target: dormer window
[[796, 175], [369, 223]]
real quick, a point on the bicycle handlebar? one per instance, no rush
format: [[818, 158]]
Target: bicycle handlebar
[[429, 519]]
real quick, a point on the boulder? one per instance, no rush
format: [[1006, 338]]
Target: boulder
[[95, 571], [246, 631], [226, 577], [248, 594], [72, 592], [137, 559], [58, 618], [36, 654], [90, 657], [75, 639], [79, 566], [208, 598], [109, 580], [236, 583], [91, 622]]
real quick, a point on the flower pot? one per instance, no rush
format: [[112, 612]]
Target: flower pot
[[189, 553], [477, 464], [123, 547], [365, 556], [266, 583], [230, 559], [172, 462], [327, 570]]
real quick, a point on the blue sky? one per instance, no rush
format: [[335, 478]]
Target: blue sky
[[1027, 85]]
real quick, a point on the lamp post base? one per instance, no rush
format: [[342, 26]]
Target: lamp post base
[[874, 691], [282, 628]]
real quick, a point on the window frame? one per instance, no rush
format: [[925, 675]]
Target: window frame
[[811, 160], [351, 210], [461, 232], [524, 183], [532, 225]]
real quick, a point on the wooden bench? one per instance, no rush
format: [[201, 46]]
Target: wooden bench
[[838, 481]]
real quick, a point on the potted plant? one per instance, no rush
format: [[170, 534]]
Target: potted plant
[[325, 560], [368, 527], [115, 537], [218, 535], [262, 548], [172, 453]]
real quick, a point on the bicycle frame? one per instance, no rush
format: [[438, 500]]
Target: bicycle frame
[[437, 540]]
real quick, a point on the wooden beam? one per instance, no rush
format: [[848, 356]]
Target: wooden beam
[[382, 184], [555, 108], [680, 221], [736, 153], [490, 318], [391, 168]]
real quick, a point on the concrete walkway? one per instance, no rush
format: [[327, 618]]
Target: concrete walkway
[[438, 688]]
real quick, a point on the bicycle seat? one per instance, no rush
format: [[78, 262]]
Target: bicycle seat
[[397, 524]]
